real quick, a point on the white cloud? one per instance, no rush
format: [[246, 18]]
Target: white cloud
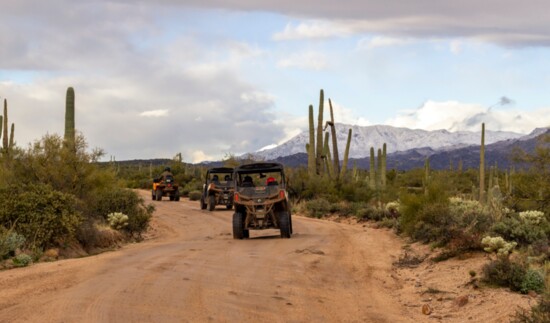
[[313, 29], [455, 47], [305, 60], [154, 113], [382, 41], [345, 115], [257, 97], [199, 156], [456, 116]]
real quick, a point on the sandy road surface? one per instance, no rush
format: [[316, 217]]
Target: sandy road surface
[[191, 270]]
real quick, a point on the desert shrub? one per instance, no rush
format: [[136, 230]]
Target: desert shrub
[[374, 213], [533, 281], [195, 195], [526, 229], [22, 260], [127, 202], [425, 217], [44, 216], [50, 162], [433, 224], [9, 242], [538, 313], [354, 191], [317, 207], [505, 273], [117, 220], [191, 186]]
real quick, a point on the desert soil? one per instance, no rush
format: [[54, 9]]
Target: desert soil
[[189, 269]]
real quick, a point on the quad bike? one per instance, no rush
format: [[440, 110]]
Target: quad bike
[[165, 187], [261, 200], [218, 188]]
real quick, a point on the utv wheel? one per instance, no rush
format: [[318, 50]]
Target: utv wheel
[[177, 196], [291, 230], [238, 226], [284, 224], [229, 206], [159, 195], [211, 202], [153, 195], [203, 204], [172, 197]]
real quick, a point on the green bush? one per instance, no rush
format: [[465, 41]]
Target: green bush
[[538, 313], [318, 208], [9, 242], [44, 216], [505, 273], [22, 260], [195, 195], [533, 280], [524, 230], [124, 201]]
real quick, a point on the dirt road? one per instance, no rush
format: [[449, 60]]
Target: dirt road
[[190, 269]]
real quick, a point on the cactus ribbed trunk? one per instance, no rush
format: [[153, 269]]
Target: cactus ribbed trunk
[[311, 146], [69, 118], [482, 166], [384, 166], [346, 155], [1, 126], [319, 148], [10, 145], [372, 171], [328, 157], [5, 141], [334, 142], [379, 165]]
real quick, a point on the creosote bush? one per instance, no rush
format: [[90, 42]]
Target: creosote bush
[[195, 195], [22, 260], [505, 273], [9, 242], [43, 216]]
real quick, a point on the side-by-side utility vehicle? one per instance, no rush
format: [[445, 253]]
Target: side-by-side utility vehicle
[[218, 188], [261, 200]]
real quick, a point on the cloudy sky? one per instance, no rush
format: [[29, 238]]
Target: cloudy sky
[[211, 78]]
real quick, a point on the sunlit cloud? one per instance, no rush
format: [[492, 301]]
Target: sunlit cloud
[[154, 113], [306, 60], [457, 116]]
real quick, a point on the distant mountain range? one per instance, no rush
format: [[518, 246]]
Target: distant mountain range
[[396, 139], [442, 147]]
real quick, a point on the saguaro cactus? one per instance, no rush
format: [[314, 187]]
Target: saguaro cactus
[[383, 167], [334, 141], [69, 118], [346, 155], [328, 157], [372, 170], [482, 166], [5, 139], [311, 146], [319, 148]]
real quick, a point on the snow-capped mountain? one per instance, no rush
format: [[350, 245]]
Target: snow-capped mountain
[[396, 139]]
